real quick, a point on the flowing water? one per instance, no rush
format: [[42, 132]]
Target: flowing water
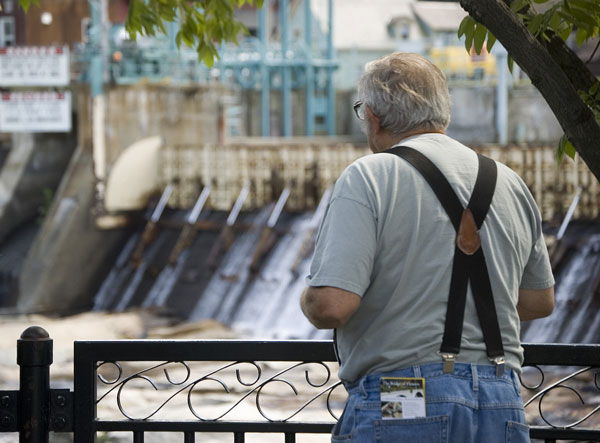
[[262, 300], [577, 298]]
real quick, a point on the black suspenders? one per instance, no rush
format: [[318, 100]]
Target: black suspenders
[[469, 261]]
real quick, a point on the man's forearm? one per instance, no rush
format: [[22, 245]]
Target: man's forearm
[[535, 303], [526, 314]]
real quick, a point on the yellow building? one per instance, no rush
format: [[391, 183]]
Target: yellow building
[[457, 63]]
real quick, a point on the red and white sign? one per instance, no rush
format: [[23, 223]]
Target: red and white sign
[[34, 66], [35, 112]]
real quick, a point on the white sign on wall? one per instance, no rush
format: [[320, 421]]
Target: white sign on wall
[[35, 112], [34, 66]]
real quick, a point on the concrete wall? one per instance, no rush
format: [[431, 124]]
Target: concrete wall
[[69, 257], [473, 114], [530, 118], [182, 115], [30, 173]]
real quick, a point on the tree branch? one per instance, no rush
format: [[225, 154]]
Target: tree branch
[[574, 68], [593, 53], [574, 116]]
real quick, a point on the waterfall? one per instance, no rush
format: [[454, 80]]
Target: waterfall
[[259, 303], [263, 302], [575, 318]]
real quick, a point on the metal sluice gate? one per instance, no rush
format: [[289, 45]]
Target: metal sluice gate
[[236, 267]]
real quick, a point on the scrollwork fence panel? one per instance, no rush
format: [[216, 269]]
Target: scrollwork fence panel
[[249, 372], [186, 388], [287, 387]]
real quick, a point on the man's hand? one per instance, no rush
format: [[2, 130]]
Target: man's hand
[[327, 307], [535, 303]]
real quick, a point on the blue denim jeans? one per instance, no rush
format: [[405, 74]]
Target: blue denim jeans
[[470, 405]]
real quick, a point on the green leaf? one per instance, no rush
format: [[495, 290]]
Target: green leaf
[[188, 37], [206, 53], [26, 4], [518, 5], [554, 22], [570, 150], [566, 32], [491, 39], [567, 17], [581, 36], [479, 37], [535, 25], [565, 147], [592, 6], [583, 17], [540, 1], [469, 31], [465, 24]]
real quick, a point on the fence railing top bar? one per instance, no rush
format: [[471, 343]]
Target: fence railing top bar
[[561, 354], [214, 426], [206, 350], [580, 434], [292, 350]]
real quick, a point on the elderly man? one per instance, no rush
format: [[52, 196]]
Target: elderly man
[[426, 261]]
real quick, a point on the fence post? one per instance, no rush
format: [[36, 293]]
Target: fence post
[[34, 356]]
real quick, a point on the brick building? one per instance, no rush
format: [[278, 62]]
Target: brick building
[[53, 22], [12, 24]]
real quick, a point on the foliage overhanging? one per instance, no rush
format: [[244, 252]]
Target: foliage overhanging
[[563, 18]]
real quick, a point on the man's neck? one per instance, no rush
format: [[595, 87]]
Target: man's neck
[[385, 140]]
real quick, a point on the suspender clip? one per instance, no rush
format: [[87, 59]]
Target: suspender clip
[[448, 359], [499, 361]]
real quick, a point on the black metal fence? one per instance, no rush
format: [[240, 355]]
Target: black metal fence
[[195, 376]]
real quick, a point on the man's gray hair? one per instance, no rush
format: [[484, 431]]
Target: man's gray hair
[[406, 91]]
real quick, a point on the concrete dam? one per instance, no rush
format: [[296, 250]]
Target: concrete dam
[[226, 232]]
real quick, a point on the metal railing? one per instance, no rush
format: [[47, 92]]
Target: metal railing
[[210, 383]]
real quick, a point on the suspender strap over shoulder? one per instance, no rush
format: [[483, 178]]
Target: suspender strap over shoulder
[[469, 264]]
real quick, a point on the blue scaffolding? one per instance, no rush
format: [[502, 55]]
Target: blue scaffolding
[[258, 63]]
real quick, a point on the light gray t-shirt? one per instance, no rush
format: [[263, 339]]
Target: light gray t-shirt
[[386, 237]]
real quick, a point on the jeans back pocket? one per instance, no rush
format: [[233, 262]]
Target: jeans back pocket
[[422, 430], [517, 432]]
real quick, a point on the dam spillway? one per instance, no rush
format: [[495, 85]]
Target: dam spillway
[[258, 299], [254, 287], [257, 271]]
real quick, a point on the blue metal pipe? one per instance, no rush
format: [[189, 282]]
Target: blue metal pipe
[[265, 113], [309, 111], [502, 96], [286, 74], [96, 69], [330, 87]]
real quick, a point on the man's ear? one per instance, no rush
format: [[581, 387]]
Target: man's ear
[[375, 124]]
